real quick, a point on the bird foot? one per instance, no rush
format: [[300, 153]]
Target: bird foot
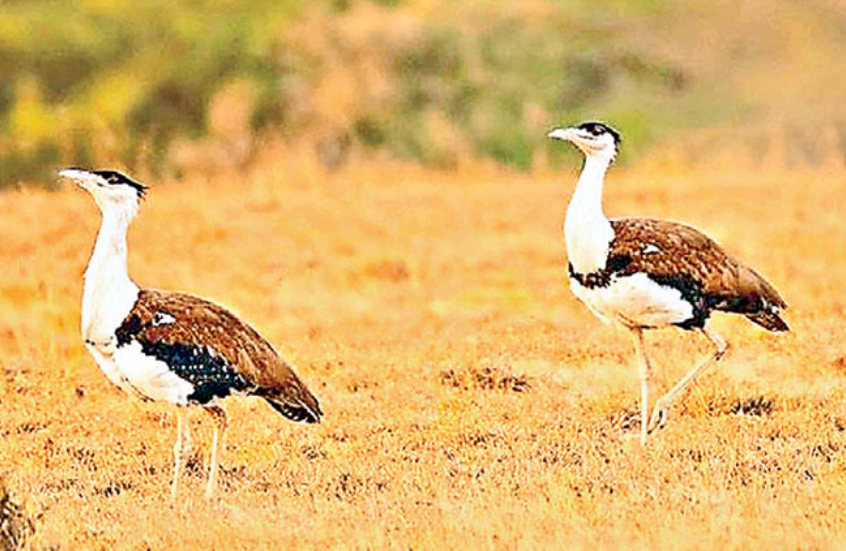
[[658, 419]]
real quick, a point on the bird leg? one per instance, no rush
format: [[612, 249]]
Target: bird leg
[[659, 413], [180, 449], [644, 369], [220, 421]]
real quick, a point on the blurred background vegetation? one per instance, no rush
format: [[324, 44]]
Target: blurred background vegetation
[[168, 87]]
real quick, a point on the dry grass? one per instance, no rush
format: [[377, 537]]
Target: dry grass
[[471, 402]]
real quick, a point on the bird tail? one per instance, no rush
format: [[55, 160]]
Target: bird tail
[[303, 408], [770, 321], [760, 302]]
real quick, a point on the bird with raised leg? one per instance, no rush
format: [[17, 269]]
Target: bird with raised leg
[[642, 273], [169, 346]]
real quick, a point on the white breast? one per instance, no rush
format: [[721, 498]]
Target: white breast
[[103, 355], [635, 300]]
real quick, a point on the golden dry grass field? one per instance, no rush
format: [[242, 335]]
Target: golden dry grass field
[[471, 402]]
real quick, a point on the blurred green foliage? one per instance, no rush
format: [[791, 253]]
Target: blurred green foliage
[[121, 82], [502, 82], [117, 80]]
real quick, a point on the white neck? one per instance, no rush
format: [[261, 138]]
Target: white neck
[[586, 230], [109, 294]]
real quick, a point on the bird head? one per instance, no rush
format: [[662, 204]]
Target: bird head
[[111, 189], [594, 139]]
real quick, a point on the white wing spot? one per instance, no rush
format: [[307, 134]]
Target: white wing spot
[[650, 248], [161, 318]]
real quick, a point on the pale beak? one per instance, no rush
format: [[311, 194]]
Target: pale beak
[[80, 177], [565, 134], [575, 137]]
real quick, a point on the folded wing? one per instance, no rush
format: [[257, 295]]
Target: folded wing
[[206, 345]]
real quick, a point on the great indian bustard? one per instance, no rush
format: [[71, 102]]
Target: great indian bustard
[[173, 347], [641, 273]]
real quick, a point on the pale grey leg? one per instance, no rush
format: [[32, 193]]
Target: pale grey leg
[[220, 422], [659, 413], [180, 449], [645, 370]]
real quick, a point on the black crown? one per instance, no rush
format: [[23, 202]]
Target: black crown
[[599, 128], [116, 178]]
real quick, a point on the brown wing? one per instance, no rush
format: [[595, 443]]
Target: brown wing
[[207, 345], [682, 254]]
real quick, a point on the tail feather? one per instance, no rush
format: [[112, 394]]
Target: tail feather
[[757, 310], [287, 394], [295, 409], [758, 300], [769, 320]]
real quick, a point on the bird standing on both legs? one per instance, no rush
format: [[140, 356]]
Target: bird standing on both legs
[[641, 273], [168, 346]]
